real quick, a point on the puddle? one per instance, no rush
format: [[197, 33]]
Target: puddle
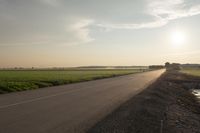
[[190, 85], [196, 92]]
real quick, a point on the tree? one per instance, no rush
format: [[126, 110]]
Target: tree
[[167, 64]]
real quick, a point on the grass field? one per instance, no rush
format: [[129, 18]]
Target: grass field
[[191, 71], [19, 80]]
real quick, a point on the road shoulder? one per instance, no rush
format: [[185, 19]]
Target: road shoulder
[[166, 105]]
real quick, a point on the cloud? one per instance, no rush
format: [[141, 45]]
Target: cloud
[[162, 11], [152, 24], [42, 22], [51, 2], [81, 30], [172, 9], [66, 22], [67, 32], [166, 9]]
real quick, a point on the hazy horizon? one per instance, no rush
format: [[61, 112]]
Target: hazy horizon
[[64, 33]]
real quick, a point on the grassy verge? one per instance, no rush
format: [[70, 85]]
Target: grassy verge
[[191, 71], [19, 80]]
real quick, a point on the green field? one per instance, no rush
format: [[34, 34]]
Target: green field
[[19, 80], [191, 71]]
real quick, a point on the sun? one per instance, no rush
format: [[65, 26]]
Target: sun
[[178, 38]]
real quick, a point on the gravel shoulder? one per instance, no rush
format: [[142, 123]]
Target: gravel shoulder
[[166, 106]]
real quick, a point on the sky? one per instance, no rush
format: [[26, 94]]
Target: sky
[[66, 33]]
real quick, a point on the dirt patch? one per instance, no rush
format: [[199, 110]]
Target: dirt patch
[[167, 106]]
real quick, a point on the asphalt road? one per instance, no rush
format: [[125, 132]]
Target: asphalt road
[[68, 108]]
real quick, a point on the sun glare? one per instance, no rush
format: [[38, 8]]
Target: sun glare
[[178, 38]]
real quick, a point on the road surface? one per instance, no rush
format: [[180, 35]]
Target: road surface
[[69, 108]]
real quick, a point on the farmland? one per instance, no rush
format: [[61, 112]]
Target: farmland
[[19, 80], [191, 71]]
